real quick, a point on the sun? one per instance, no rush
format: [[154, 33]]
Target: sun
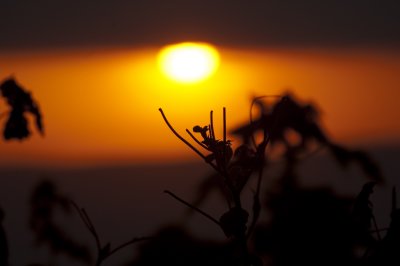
[[188, 62]]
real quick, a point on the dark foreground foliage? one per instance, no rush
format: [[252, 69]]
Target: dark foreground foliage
[[305, 226]]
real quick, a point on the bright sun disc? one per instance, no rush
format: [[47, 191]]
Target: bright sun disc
[[188, 62]]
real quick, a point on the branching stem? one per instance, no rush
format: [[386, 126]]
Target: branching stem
[[130, 242], [195, 139], [186, 142], [101, 255], [180, 137], [192, 207]]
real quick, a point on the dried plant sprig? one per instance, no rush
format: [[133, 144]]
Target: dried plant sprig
[[88, 223], [186, 142], [179, 136], [219, 158], [103, 251], [196, 140], [130, 242], [193, 207]]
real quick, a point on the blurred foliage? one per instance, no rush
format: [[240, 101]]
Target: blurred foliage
[[45, 201], [20, 102], [305, 226]]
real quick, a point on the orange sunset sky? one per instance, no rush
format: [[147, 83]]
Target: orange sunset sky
[[92, 66], [101, 105], [94, 69]]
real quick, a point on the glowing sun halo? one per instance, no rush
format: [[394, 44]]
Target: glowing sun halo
[[188, 62]]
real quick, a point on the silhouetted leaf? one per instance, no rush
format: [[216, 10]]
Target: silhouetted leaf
[[285, 114], [20, 102], [234, 222]]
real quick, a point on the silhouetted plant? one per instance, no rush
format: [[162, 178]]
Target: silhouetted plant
[[20, 102], [288, 115], [233, 170], [104, 251], [309, 224]]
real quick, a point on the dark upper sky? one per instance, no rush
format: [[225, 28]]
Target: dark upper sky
[[40, 24]]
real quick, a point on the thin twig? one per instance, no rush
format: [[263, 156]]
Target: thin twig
[[195, 139], [96, 236], [86, 220], [192, 207], [186, 142], [132, 241], [224, 123], [80, 214], [179, 136], [88, 223], [235, 196], [212, 133], [224, 133]]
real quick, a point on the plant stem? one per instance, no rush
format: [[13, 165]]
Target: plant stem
[[88, 223], [186, 142], [193, 207], [212, 133], [195, 139], [130, 242], [224, 134], [179, 136]]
